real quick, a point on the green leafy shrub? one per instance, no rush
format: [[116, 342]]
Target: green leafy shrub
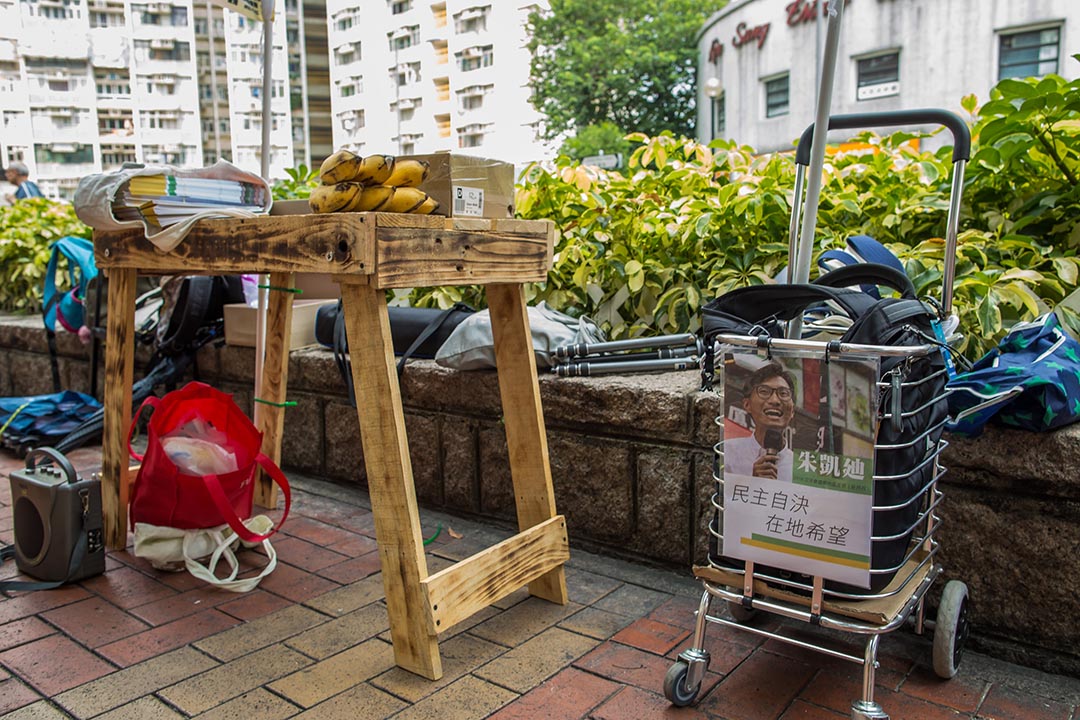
[[27, 228], [298, 186], [640, 252]]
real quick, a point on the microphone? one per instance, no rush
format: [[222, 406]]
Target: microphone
[[774, 441]]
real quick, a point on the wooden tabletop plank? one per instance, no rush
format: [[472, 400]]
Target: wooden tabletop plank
[[338, 243], [422, 258], [400, 250]]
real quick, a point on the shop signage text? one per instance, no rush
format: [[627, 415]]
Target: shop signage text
[[716, 50], [744, 34], [798, 13]]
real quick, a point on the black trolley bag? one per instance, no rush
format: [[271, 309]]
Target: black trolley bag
[[912, 409], [912, 406]]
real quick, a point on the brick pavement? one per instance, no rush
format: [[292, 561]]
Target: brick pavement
[[313, 642]]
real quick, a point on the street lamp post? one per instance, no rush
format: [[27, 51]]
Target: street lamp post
[[714, 89]]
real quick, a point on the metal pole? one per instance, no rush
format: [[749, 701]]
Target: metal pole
[[267, 88], [305, 108], [819, 32], [817, 156], [951, 230], [646, 343], [267, 122], [213, 79], [587, 369]]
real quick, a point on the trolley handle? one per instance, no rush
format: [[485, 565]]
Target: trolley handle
[[960, 132]]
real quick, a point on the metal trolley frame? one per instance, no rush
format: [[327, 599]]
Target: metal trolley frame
[[747, 592]]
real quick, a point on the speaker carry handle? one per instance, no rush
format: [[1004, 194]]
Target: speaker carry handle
[[57, 457]]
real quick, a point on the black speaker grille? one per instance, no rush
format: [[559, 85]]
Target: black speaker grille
[[29, 530]]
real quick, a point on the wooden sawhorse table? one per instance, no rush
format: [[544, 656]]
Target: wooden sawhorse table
[[368, 253]]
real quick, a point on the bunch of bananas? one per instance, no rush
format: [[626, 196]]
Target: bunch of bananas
[[351, 183]]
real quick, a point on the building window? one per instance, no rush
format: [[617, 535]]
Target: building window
[[404, 37], [878, 76], [399, 6], [472, 20], [1029, 54], [353, 120], [776, 96], [475, 57], [719, 121]]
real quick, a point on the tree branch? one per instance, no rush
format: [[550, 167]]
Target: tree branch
[[1053, 153]]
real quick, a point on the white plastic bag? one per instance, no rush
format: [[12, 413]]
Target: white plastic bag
[[95, 194], [471, 345], [173, 549]]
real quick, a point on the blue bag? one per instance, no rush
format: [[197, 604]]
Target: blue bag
[[40, 419], [1031, 380], [67, 308]]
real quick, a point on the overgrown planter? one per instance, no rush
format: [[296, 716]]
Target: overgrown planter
[[631, 463]]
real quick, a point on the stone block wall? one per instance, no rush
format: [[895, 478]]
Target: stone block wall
[[631, 463]]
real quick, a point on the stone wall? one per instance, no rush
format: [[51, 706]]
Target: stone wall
[[631, 463]]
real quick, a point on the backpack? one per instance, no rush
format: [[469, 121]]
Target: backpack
[[67, 308], [193, 312], [912, 404], [192, 316], [860, 249]]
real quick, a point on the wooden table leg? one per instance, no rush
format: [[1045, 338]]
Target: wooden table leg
[[524, 421], [390, 479], [271, 414], [119, 371]]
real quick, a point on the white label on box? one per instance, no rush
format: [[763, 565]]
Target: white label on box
[[468, 201]]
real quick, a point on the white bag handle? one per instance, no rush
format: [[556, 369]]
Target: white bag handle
[[224, 549]]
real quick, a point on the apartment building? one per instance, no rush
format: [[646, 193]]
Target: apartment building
[[86, 85], [757, 79], [422, 76]]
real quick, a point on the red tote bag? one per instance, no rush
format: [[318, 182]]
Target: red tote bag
[[166, 496]]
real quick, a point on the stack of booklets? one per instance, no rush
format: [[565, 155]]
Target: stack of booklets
[[164, 200]]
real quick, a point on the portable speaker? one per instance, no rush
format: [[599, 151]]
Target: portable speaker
[[57, 520]]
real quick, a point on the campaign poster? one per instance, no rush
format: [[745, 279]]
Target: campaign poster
[[798, 462]]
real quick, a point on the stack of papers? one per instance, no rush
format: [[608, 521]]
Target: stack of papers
[[163, 200]]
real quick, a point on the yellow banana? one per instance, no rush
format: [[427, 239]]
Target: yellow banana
[[408, 173], [405, 199], [372, 198], [375, 169], [342, 166], [427, 207], [333, 198]]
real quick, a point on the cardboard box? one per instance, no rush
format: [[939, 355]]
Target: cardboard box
[[241, 321], [467, 186]]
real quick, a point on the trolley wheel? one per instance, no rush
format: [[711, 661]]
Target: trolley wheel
[[950, 629], [740, 614], [675, 689]]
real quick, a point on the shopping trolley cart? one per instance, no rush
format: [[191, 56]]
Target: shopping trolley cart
[[898, 594]]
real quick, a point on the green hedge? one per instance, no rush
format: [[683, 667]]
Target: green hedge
[[27, 228], [640, 252]]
